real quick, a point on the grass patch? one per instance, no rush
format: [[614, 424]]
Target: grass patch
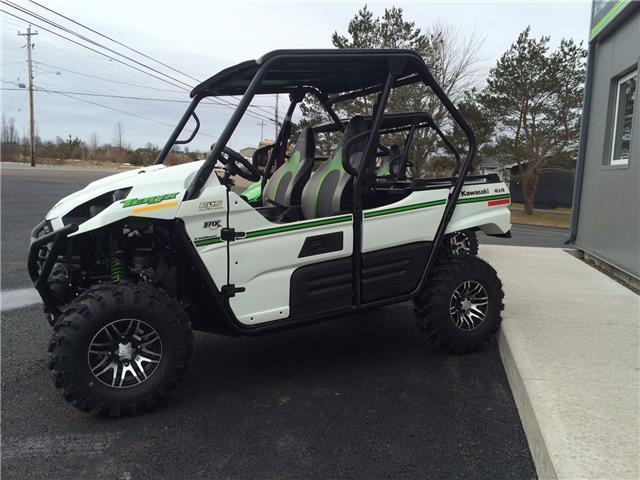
[[559, 217]]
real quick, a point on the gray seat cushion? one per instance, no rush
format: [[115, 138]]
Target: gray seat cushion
[[286, 184], [327, 191]]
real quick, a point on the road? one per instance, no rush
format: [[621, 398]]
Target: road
[[358, 397]]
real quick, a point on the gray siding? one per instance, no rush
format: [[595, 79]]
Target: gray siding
[[609, 221]]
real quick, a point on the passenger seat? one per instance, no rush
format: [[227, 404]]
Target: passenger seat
[[286, 184]]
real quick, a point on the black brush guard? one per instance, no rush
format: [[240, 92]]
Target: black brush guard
[[45, 247]]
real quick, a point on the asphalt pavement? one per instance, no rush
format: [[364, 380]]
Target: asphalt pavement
[[363, 396]]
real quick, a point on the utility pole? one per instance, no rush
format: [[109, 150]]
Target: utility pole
[[261, 123], [29, 34], [276, 135]]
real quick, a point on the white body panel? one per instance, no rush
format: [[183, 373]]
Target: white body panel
[[263, 264], [383, 230], [264, 261], [156, 180]]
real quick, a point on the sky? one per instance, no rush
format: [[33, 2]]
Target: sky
[[199, 38]]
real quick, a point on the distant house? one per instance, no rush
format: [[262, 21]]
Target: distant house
[[247, 152], [555, 188], [491, 165]]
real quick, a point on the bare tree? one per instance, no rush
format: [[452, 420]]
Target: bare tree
[[117, 136], [94, 141], [9, 146]]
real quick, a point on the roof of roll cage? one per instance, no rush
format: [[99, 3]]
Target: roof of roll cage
[[392, 122], [332, 71]]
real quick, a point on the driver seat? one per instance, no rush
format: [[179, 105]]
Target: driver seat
[[328, 191], [284, 187]]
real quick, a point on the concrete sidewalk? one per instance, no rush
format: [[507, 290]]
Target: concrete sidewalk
[[569, 344]]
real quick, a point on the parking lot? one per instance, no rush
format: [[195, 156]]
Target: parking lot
[[357, 397]]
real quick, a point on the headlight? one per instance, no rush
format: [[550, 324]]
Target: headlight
[[90, 209]]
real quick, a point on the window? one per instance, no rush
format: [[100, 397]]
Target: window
[[626, 93]]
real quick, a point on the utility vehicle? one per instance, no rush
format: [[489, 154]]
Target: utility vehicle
[[129, 265]]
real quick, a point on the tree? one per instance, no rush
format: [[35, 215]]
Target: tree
[[451, 56], [9, 146], [534, 98], [481, 123], [94, 141], [117, 136]]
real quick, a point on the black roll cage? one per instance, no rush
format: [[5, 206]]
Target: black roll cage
[[397, 60], [407, 122]]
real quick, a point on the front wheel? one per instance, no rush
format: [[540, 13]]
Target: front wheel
[[120, 349], [461, 305]]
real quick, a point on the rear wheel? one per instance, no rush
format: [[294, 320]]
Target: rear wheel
[[461, 306], [120, 349], [464, 242]]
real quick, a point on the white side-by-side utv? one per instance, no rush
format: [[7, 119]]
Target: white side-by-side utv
[[129, 265]]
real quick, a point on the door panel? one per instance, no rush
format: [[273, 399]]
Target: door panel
[[392, 272], [413, 219], [396, 243], [322, 287], [264, 261]]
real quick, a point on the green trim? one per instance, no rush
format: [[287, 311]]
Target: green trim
[[604, 21], [483, 199], [406, 208], [285, 228], [347, 218], [298, 226], [291, 165], [207, 241]]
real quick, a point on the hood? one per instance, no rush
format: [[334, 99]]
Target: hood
[[155, 178]]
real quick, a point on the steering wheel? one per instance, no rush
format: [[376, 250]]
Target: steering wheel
[[234, 163]]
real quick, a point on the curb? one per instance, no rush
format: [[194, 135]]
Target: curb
[[539, 452]]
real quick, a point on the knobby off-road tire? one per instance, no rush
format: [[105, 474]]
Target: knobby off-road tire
[[156, 343], [463, 243], [461, 305]]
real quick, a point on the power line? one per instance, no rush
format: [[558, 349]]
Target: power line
[[217, 100], [107, 79], [88, 94], [68, 30], [87, 39], [119, 110], [115, 41]]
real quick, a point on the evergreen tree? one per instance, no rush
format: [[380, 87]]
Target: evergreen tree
[[451, 60], [534, 98]]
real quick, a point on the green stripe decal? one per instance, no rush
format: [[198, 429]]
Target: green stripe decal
[[347, 218], [610, 15], [285, 228], [406, 208], [207, 241], [484, 199], [298, 226]]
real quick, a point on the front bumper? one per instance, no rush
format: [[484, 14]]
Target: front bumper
[[45, 247]]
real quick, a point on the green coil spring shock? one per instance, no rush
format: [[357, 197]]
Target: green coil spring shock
[[118, 269]]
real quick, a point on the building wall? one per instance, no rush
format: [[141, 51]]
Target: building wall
[[609, 221]]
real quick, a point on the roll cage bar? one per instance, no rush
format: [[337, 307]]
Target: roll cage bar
[[398, 123], [361, 75]]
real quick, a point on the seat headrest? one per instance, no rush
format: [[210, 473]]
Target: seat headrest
[[394, 151], [356, 125], [306, 143]]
